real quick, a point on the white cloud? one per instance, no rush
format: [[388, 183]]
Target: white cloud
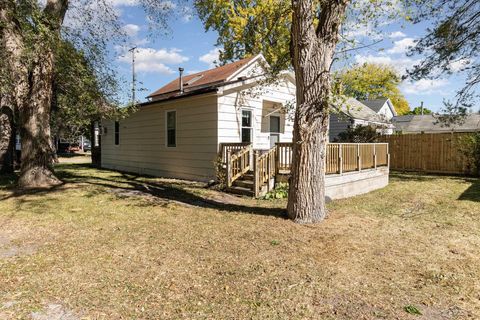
[[211, 57], [131, 30], [397, 34], [400, 64], [401, 46], [126, 3], [459, 65], [425, 86], [152, 60]]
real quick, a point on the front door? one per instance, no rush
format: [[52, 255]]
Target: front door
[[274, 130]]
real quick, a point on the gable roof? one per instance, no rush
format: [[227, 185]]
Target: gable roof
[[429, 123], [357, 110], [375, 104], [203, 79]]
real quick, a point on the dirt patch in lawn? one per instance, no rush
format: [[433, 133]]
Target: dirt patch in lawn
[[54, 312]]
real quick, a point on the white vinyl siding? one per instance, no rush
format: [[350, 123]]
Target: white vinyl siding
[[231, 104], [143, 135]]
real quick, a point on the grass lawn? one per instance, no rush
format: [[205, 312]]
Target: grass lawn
[[107, 245]]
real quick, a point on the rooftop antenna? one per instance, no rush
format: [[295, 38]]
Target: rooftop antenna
[[132, 50]]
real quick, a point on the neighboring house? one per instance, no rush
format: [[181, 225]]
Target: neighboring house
[[383, 107], [179, 131], [431, 124], [353, 113]]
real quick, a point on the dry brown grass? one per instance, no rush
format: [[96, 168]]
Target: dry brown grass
[[113, 246]]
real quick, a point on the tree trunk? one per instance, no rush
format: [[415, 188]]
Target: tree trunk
[[32, 89], [36, 169], [7, 139], [312, 51]]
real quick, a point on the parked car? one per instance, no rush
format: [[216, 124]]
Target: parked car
[[73, 148], [87, 146]]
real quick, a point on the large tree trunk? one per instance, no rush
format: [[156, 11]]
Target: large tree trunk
[[37, 149], [312, 55], [7, 139], [32, 83]]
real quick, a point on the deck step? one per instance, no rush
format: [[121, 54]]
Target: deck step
[[241, 191], [244, 184]]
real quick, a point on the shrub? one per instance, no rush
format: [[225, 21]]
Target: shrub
[[359, 134], [470, 148], [280, 192]]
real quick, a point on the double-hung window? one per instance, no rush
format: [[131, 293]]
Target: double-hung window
[[246, 126], [117, 133], [171, 129]]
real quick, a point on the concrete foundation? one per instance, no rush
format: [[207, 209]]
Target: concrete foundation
[[339, 186]]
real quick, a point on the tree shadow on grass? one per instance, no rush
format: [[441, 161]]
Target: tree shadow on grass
[[473, 192], [142, 185]]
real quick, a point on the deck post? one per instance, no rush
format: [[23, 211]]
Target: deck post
[[229, 168], [277, 160]]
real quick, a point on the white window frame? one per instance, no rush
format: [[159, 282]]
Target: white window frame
[[166, 128], [252, 125]]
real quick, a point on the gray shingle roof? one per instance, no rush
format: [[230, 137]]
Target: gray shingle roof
[[430, 123], [375, 104], [357, 110]]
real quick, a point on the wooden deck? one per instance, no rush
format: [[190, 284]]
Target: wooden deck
[[251, 171]]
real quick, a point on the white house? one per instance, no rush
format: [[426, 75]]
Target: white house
[[179, 131], [383, 107], [354, 113]]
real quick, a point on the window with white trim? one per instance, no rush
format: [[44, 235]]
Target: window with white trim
[[247, 126], [171, 129]]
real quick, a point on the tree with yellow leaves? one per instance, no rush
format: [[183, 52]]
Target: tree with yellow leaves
[[374, 81]]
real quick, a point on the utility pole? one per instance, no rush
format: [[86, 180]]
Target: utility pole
[[132, 50], [421, 108]]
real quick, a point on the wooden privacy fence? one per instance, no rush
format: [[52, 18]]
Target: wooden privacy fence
[[341, 157], [427, 152]]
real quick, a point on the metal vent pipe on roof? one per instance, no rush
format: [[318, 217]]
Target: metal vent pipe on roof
[[180, 79]]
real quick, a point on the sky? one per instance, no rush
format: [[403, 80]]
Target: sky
[[186, 44]]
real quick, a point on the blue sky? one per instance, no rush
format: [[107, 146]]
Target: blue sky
[[186, 44]]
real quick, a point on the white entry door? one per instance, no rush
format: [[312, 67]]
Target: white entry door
[[274, 130]]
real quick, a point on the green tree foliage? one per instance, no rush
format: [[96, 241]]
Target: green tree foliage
[[359, 134], [418, 110], [374, 81], [452, 45], [247, 28], [80, 95]]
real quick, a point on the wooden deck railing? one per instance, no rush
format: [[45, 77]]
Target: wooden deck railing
[[233, 147], [238, 163], [284, 156], [341, 157], [264, 169]]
